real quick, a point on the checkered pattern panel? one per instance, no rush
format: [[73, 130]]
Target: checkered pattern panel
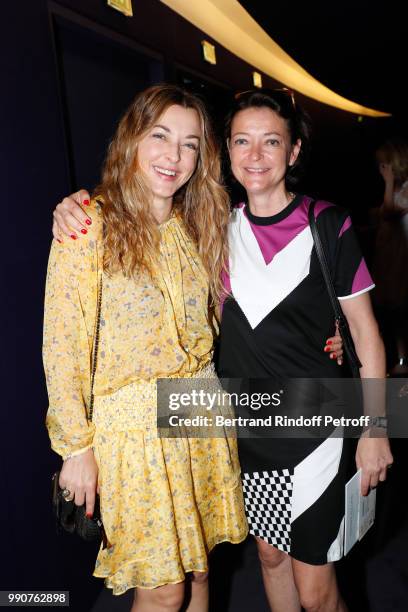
[[268, 498]]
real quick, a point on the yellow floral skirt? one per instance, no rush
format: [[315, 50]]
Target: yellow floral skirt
[[165, 502]]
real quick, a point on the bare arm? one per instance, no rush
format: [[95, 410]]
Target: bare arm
[[388, 176], [373, 453]]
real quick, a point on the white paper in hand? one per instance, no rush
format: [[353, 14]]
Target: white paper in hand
[[359, 512], [367, 512]]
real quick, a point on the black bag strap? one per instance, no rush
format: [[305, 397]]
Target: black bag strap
[[341, 320], [321, 255]]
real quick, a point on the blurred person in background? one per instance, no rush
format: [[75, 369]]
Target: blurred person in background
[[390, 257]]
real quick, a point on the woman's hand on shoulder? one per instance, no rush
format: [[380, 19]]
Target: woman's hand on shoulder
[[79, 474], [70, 219]]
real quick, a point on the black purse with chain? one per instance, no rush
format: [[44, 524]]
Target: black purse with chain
[[68, 516], [72, 518]]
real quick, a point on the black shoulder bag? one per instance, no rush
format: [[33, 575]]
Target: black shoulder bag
[[68, 516], [348, 343]]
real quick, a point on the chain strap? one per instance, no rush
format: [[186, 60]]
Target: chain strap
[[95, 350]]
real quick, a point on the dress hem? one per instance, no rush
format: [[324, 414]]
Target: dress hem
[[117, 592], [299, 557]]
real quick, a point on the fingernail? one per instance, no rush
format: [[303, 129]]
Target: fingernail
[[86, 202], [89, 515], [73, 237], [326, 349], [84, 231], [88, 221], [333, 356], [329, 341]]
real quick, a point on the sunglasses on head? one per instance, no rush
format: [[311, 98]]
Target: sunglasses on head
[[282, 90]]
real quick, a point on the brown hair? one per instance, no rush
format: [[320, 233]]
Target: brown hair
[[395, 153], [131, 238], [282, 102]]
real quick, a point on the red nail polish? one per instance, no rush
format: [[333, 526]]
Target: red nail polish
[[73, 237], [326, 349], [84, 231], [88, 221], [86, 202], [329, 342], [333, 355], [89, 515]]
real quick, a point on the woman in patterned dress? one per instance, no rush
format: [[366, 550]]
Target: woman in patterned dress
[[157, 249]]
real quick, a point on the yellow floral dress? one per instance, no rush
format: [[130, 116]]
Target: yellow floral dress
[[165, 503]]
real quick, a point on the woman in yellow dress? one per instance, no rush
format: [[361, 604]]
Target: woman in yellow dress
[[155, 255]]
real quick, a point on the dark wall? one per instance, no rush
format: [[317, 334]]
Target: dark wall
[[33, 176], [54, 97]]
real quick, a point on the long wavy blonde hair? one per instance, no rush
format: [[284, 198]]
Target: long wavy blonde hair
[[131, 235]]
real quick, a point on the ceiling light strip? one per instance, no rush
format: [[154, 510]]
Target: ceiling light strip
[[228, 23]]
